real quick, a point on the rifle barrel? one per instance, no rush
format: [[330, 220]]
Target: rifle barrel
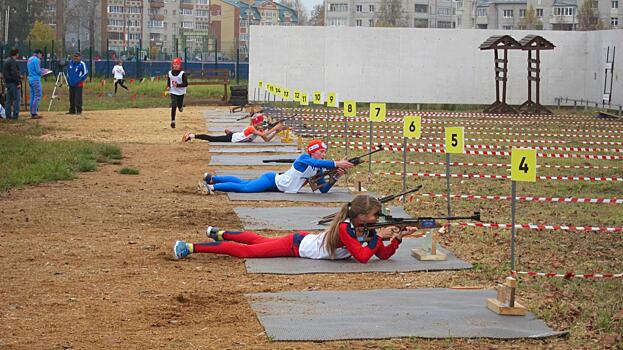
[[278, 160], [391, 197]]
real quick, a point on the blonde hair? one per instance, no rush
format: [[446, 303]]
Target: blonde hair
[[361, 204]]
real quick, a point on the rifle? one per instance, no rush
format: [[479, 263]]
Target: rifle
[[246, 116], [332, 174], [281, 160], [421, 222], [383, 200], [273, 124]]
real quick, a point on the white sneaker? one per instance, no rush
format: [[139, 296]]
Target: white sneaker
[[204, 188]]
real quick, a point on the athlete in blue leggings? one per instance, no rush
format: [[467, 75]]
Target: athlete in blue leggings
[[304, 167]]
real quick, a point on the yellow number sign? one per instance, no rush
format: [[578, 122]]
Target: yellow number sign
[[259, 84], [350, 108], [318, 97], [297, 96], [304, 100], [454, 140], [523, 164], [271, 88], [277, 90], [286, 94], [412, 126], [332, 99], [377, 112]]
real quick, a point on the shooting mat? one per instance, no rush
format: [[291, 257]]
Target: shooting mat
[[402, 261], [289, 150], [246, 174], [243, 159], [389, 313], [336, 194], [292, 218]]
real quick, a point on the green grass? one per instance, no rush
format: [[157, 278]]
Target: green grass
[[25, 159], [128, 171], [98, 94]]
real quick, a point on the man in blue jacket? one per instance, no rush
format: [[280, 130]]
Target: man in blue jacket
[[34, 80], [76, 75]]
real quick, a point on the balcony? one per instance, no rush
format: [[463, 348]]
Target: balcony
[[155, 4], [185, 4], [563, 19], [157, 17]]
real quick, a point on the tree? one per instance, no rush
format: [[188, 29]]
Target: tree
[[588, 16], [299, 8], [391, 14], [530, 20], [22, 16], [41, 34], [82, 16], [317, 16]]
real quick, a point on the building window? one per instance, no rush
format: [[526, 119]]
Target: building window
[[371, 23], [358, 23], [443, 11], [115, 22], [134, 10], [522, 13], [481, 12], [564, 11], [371, 8], [187, 12], [203, 2], [507, 14], [336, 21], [444, 24], [155, 24], [614, 21], [539, 12], [359, 8], [615, 4], [115, 9], [419, 8], [201, 13], [187, 25], [507, 27], [420, 23], [338, 7]]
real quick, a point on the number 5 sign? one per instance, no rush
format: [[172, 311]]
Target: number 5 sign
[[454, 140], [523, 164], [412, 126]]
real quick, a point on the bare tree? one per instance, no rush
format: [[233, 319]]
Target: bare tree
[[317, 16], [530, 20], [391, 14], [81, 16], [588, 16], [299, 8]]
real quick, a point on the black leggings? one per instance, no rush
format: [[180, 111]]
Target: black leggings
[[220, 138], [177, 101], [120, 82]]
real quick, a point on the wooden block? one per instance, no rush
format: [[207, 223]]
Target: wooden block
[[426, 255], [501, 293], [503, 309]]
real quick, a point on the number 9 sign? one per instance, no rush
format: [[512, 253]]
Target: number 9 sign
[[332, 99], [523, 164]]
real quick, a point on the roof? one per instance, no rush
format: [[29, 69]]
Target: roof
[[486, 3], [565, 3], [255, 12]]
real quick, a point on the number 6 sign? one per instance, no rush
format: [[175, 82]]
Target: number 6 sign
[[412, 126]]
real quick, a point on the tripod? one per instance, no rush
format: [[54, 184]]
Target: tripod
[[60, 78]]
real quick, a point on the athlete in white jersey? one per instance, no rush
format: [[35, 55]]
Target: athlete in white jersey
[[176, 85]]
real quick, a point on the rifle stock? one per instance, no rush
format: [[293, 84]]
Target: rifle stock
[[313, 181]]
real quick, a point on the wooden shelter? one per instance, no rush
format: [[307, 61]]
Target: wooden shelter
[[534, 43], [497, 43]]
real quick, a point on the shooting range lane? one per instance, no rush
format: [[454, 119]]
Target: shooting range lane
[[254, 160], [402, 261], [253, 145], [336, 195], [292, 218], [288, 150], [389, 313]]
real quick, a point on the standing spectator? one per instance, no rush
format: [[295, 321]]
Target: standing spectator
[[176, 85], [13, 81], [76, 74], [34, 80], [119, 73]]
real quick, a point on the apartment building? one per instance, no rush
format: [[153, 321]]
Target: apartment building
[[552, 14], [416, 13]]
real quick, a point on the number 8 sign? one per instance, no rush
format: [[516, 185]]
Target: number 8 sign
[[523, 164]]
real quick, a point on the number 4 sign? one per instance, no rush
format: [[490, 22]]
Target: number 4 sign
[[523, 164]]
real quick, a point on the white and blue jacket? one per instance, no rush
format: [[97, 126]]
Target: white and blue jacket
[[76, 73], [301, 170]]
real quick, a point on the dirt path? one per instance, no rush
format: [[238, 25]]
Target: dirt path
[[86, 264]]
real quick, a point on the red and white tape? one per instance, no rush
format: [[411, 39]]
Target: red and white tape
[[542, 227], [501, 177], [568, 275], [529, 198], [500, 165], [394, 146]]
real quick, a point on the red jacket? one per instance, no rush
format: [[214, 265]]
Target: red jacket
[[363, 248]]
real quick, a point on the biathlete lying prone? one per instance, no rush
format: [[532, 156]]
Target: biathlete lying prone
[[248, 134], [345, 237], [303, 168]]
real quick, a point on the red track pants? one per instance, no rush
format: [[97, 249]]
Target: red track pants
[[249, 244]]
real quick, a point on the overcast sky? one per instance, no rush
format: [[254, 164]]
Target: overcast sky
[[309, 4]]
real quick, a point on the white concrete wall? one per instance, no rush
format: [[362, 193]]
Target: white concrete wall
[[410, 65]]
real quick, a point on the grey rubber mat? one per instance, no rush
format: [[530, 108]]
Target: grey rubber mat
[[389, 313], [255, 160], [292, 218], [402, 261], [256, 144], [289, 150], [247, 174], [336, 194]]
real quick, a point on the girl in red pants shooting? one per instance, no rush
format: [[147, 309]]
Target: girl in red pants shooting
[[344, 238]]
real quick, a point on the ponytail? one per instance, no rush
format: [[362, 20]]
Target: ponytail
[[361, 204]]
